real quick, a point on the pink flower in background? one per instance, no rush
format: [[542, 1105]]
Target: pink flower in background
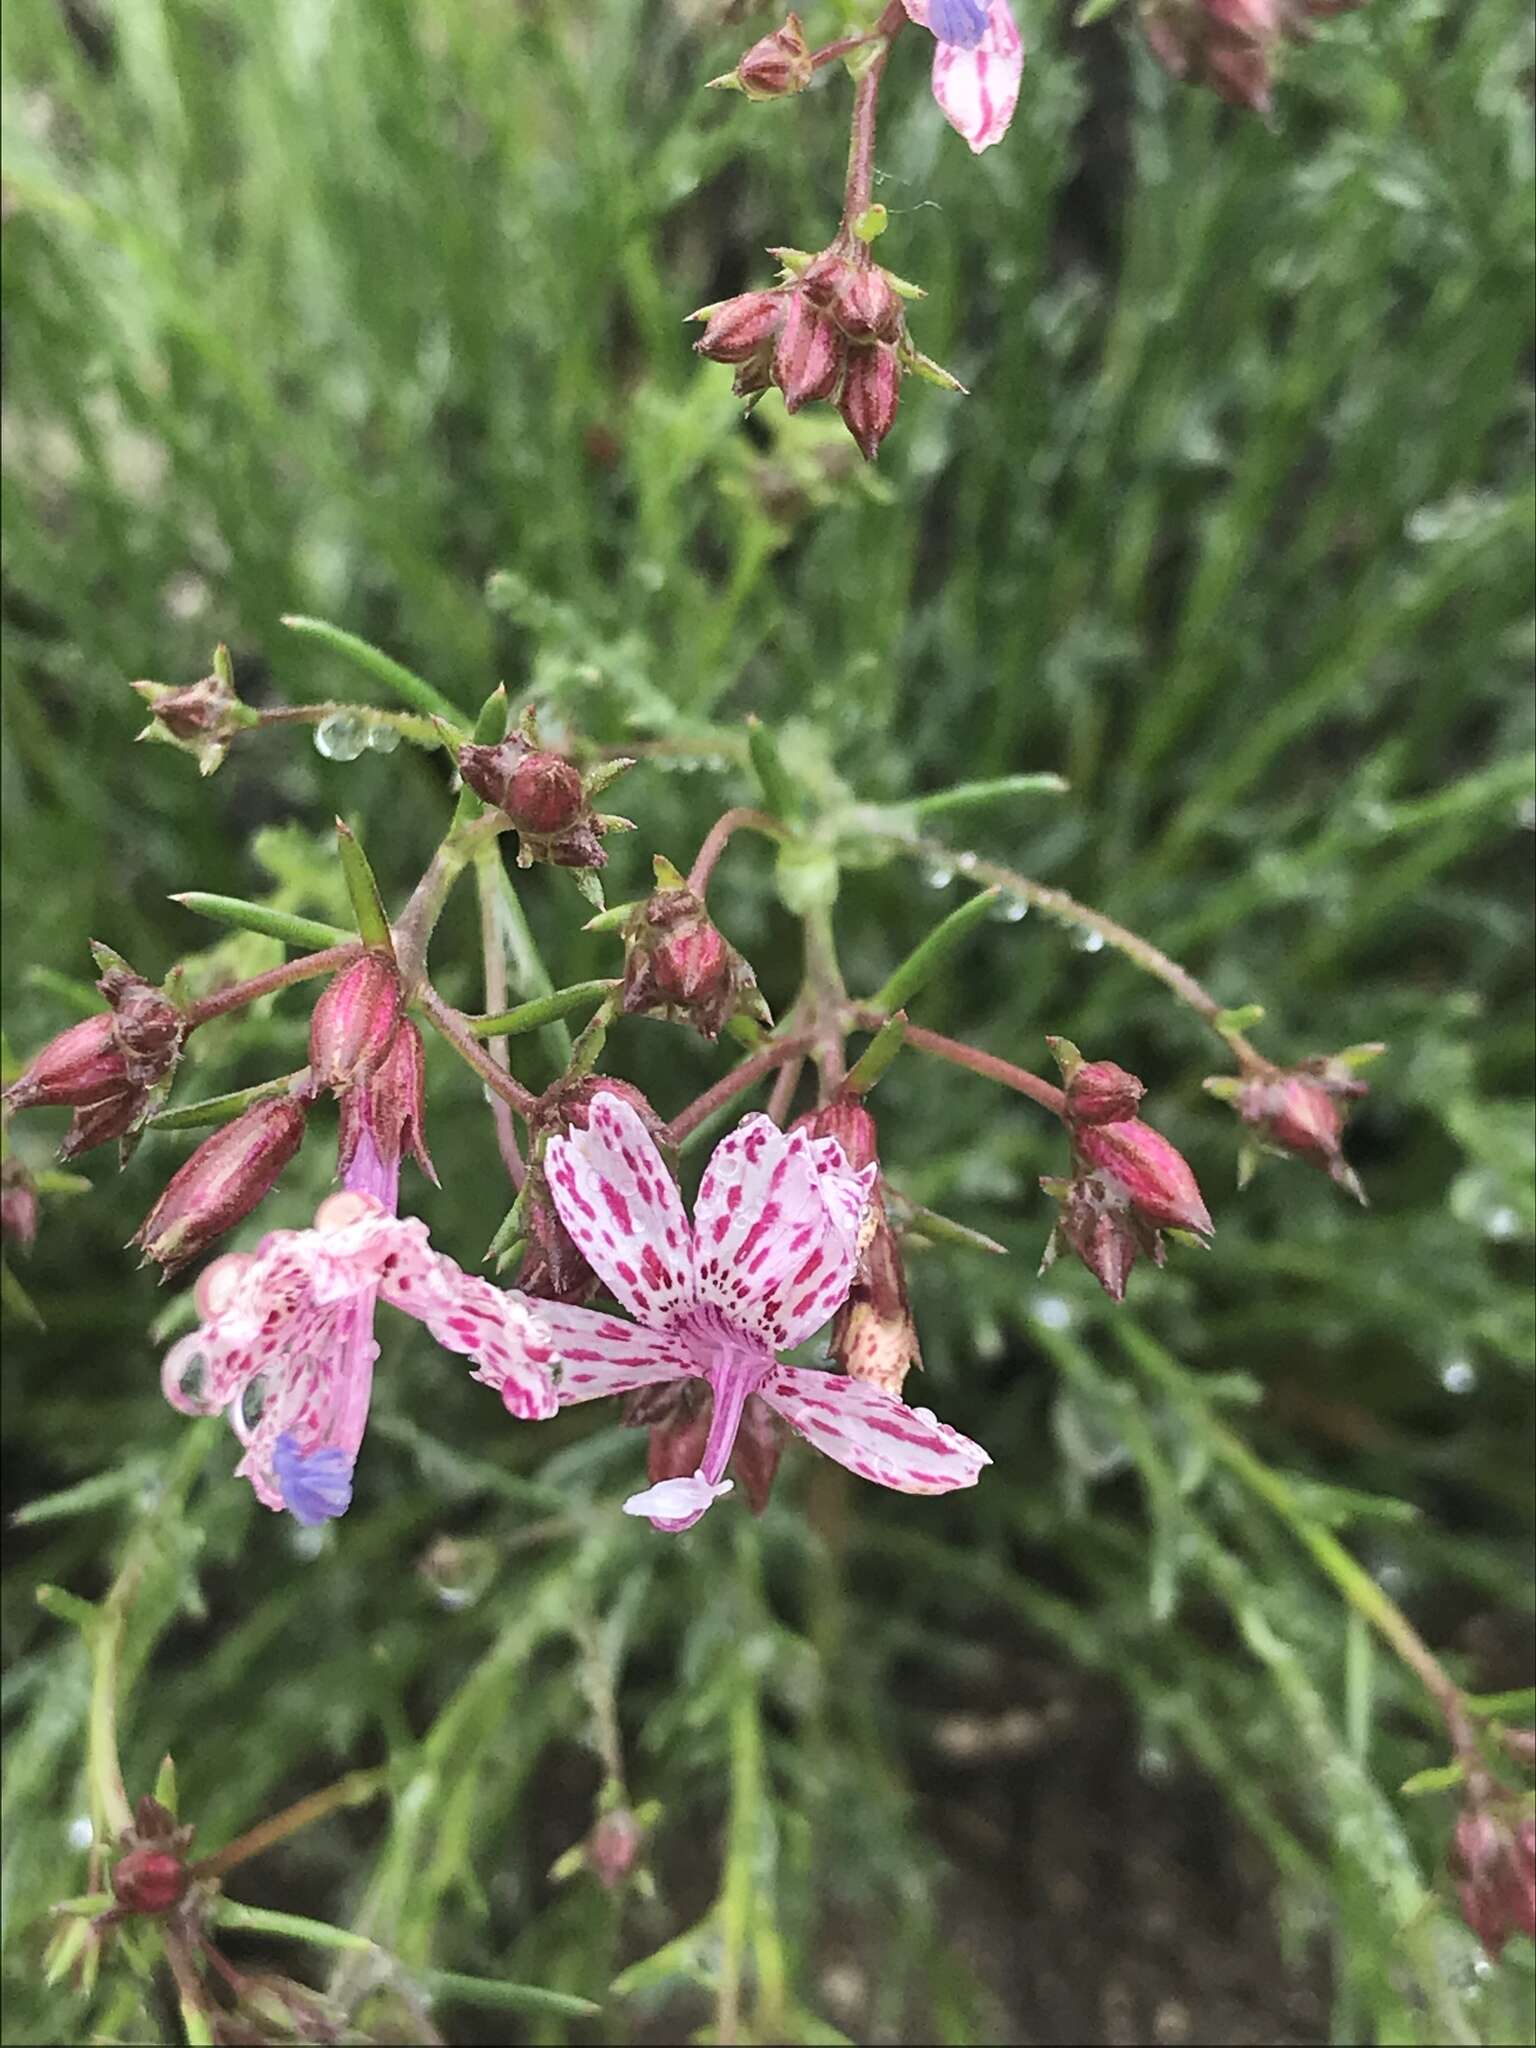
[[977, 65], [293, 1322], [768, 1259]]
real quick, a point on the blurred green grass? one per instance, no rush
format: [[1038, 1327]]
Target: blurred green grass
[[374, 312]]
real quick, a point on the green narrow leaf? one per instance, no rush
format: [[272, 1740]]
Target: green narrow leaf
[[373, 661], [1438, 1778], [509, 1997], [90, 1493], [782, 797], [924, 961], [968, 795], [306, 934], [877, 1055], [363, 889], [262, 1920], [218, 1109], [542, 1010]]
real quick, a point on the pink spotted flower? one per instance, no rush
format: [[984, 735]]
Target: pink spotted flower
[[285, 1342], [768, 1259], [977, 65]]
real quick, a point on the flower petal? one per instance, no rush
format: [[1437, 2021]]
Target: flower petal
[[676, 1504], [615, 1196], [511, 1349], [978, 88], [596, 1354], [776, 1230], [872, 1433]]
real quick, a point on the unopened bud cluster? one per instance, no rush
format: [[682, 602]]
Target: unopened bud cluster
[[546, 796], [833, 331], [112, 1068], [678, 964]]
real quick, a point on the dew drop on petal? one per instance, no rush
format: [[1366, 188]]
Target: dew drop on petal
[[341, 737]]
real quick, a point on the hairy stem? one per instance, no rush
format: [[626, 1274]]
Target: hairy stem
[[451, 1024], [972, 1057], [494, 959], [860, 186], [417, 922], [740, 819], [732, 1084], [242, 992], [1141, 952]]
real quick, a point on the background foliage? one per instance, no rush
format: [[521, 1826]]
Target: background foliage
[[373, 311]]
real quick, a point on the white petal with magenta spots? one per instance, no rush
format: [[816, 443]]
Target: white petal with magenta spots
[[595, 1354], [873, 1433], [615, 1196], [978, 89], [776, 1230]]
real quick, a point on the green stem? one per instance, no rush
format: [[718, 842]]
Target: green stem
[[1141, 952], [418, 920], [544, 1010], [494, 975], [111, 1815]]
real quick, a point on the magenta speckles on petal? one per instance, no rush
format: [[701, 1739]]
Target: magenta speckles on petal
[[770, 1260], [976, 83]]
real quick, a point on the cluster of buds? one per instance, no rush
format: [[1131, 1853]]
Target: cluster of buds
[[201, 718], [1299, 1111], [1493, 1862], [678, 965], [833, 329], [546, 796], [1128, 1184], [873, 1337], [553, 1267], [1231, 45], [111, 1069]]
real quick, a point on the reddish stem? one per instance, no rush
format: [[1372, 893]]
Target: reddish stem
[[733, 1083], [860, 186], [985, 1063], [784, 1089], [454, 1026], [718, 835], [241, 992]]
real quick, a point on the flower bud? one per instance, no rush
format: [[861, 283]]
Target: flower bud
[[1493, 1859], [354, 1021], [847, 1120], [614, 1846], [1227, 45], [808, 359], [777, 65], [1154, 1175], [1098, 1225], [1099, 1092], [739, 328], [540, 792], [1301, 1111], [18, 1204], [677, 964], [82, 1065], [387, 1106], [147, 1026], [99, 1123], [149, 1881], [202, 717], [870, 395], [873, 1336], [865, 304], [222, 1182]]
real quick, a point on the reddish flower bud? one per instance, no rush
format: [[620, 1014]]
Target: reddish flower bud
[[776, 66], [102, 1122], [1098, 1225], [544, 794], [739, 328], [18, 1204], [1154, 1175], [1493, 1859], [222, 1182], [147, 1025], [581, 846], [1227, 45], [614, 1846], [678, 965], [846, 1119], [83, 1065], [808, 359], [149, 1880], [874, 1337], [1301, 1111], [1099, 1092], [870, 395], [353, 1023], [387, 1106], [865, 304], [679, 1431]]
